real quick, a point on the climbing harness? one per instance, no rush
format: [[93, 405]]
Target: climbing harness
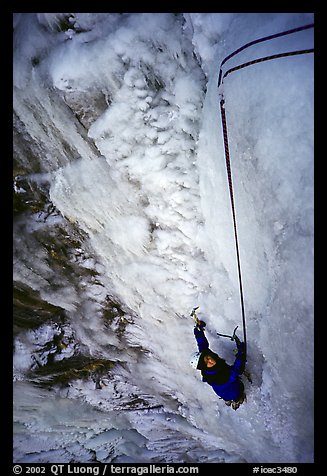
[[225, 137]]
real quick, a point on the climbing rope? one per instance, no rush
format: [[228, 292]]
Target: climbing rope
[[266, 58], [260, 40], [225, 136], [231, 194]]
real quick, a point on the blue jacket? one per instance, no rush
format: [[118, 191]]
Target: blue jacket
[[232, 388]]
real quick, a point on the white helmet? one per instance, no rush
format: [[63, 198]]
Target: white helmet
[[194, 360]]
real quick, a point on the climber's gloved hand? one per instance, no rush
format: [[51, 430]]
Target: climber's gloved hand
[[200, 324], [240, 345]]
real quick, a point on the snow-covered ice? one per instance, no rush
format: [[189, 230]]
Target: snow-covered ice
[[139, 168]]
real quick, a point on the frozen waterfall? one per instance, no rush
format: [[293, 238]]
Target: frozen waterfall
[[123, 224]]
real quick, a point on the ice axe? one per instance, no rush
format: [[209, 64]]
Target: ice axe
[[193, 314], [230, 337]]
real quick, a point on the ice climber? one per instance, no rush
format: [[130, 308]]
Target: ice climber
[[223, 378]]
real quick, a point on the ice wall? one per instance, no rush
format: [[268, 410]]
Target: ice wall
[[117, 121]]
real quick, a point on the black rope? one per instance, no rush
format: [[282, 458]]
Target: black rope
[[226, 145]]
